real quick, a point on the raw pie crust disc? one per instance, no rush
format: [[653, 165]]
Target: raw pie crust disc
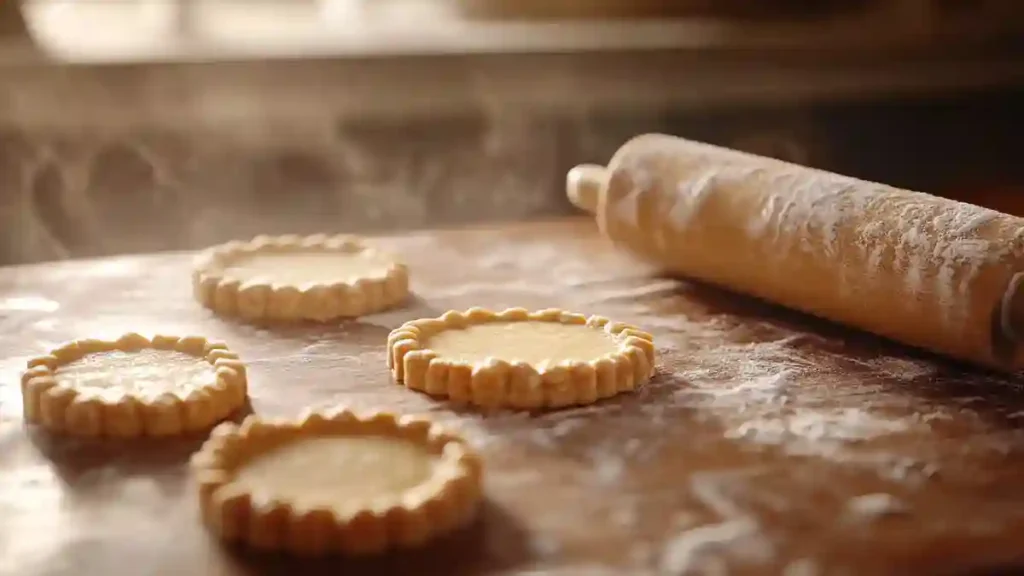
[[289, 278], [133, 386], [520, 359], [335, 482]]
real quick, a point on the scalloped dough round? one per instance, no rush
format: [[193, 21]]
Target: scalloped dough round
[[339, 472], [133, 386], [531, 342], [520, 359], [291, 278], [336, 482], [146, 373], [302, 267]]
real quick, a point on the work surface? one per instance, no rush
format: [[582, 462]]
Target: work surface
[[767, 443]]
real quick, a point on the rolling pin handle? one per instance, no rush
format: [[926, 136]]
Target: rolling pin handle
[[584, 185]]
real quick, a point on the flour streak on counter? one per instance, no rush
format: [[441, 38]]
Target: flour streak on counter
[[756, 390], [873, 506], [702, 550]]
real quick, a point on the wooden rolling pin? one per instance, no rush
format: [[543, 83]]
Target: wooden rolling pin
[[926, 271]]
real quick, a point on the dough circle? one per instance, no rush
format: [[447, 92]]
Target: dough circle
[[292, 278], [520, 359], [336, 482], [535, 343], [133, 386], [338, 472]]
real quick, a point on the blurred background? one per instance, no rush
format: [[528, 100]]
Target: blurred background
[[144, 125]]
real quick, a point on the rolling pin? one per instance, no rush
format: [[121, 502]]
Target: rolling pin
[[926, 271]]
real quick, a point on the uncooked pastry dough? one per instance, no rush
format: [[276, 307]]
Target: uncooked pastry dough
[[338, 472], [520, 359], [336, 482], [289, 278], [144, 373], [535, 343], [133, 386], [304, 267]]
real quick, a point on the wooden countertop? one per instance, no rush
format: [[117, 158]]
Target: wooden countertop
[[767, 444]]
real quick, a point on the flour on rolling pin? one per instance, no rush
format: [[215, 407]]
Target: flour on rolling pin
[[808, 208], [923, 270]]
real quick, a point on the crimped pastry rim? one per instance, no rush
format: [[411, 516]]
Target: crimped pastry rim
[[62, 408], [214, 288], [415, 365], [444, 502]]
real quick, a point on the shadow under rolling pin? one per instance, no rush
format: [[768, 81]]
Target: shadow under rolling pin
[[922, 270]]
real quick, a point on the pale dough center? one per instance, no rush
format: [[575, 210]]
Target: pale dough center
[[297, 268], [337, 472], [145, 372], [530, 342]]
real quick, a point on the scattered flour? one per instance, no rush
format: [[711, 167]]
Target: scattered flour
[[608, 469], [701, 550], [545, 546], [778, 392], [462, 289], [648, 289], [873, 506], [709, 329], [761, 390], [624, 515], [899, 368], [801, 567], [736, 537], [551, 260], [772, 393], [714, 490], [804, 428]]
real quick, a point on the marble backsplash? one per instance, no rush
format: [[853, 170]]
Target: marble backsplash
[[100, 161]]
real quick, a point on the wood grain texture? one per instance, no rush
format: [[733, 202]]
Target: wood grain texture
[[749, 449]]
